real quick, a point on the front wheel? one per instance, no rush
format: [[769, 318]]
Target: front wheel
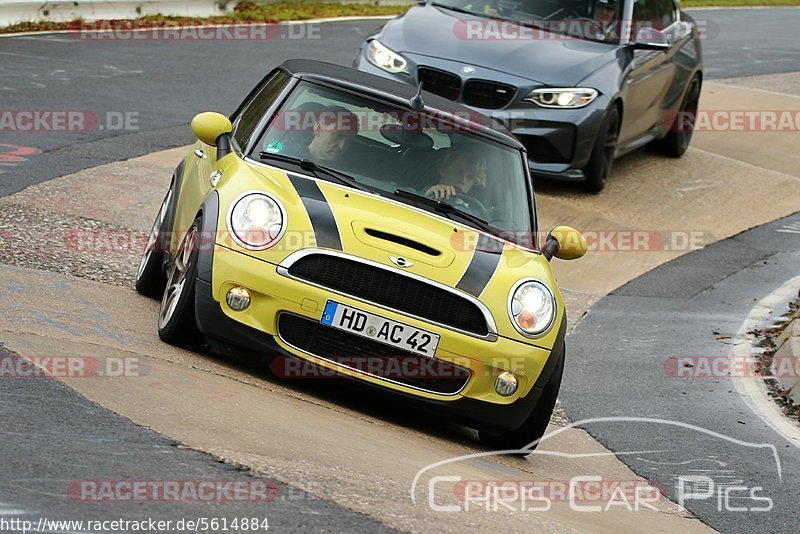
[[150, 277], [526, 438], [601, 160], [176, 318], [680, 133]]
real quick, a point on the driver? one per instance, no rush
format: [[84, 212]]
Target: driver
[[458, 172], [334, 129], [333, 133]]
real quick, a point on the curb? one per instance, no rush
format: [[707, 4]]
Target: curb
[[787, 356]]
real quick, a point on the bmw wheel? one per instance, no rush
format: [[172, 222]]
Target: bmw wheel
[[602, 158], [680, 133]]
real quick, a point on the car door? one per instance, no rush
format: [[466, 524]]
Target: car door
[[651, 73]]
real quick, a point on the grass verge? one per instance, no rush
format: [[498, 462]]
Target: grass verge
[[282, 11], [245, 12]]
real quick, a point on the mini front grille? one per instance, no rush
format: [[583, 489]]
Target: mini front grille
[[371, 357], [487, 95], [391, 289], [440, 82]]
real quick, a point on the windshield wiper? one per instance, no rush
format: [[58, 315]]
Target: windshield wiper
[[315, 168], [466, 11], [444, 207]]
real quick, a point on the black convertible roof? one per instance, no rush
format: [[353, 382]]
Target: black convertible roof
[[369, 83]]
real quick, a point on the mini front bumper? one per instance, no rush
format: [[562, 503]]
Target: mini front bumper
[[256, 329], [559, 142]]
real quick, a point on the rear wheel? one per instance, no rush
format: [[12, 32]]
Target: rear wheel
[[535, 425], [176, 318], [680, 133], [601, 160], [150, 278]]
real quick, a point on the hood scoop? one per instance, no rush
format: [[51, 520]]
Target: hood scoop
[[426, 245], [402, 241]]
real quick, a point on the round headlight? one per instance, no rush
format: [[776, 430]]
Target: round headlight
[[256, 221], [532, 307]]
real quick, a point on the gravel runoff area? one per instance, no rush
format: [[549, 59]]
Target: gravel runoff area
[[50, 241]]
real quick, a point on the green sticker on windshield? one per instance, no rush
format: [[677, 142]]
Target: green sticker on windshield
[[273, 147]]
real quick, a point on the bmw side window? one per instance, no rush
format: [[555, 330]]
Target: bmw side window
[[646, 13], [666, 13], [248, 120]]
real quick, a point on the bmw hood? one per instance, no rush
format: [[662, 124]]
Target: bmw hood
[[549, 59]]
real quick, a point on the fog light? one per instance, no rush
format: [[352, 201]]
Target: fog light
[[238, 298], [506, 384]]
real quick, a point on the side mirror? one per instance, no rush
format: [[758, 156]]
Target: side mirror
[[648, 38], [209, 126], [564, 243]]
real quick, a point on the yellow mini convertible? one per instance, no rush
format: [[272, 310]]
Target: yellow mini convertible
[[344, 222]]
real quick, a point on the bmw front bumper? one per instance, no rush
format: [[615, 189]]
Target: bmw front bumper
[[559, 142]]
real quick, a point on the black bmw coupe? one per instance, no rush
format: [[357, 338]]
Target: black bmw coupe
[[579, 82]]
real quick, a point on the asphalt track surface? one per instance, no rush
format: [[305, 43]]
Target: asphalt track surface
[[165, 84], [692, 306], [54, 440]]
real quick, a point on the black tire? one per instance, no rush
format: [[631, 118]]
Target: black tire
[[535, 425], [150, 276], [676, 142], [177, 324], [601, 160]]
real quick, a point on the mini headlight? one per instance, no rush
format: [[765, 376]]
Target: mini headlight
[[256, 221], [532, 307], [384, 58], [562, 98]]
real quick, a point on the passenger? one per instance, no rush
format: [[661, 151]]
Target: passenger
[[458, 172]]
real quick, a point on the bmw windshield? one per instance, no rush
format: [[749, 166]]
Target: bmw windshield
[[593, 20], [432, 162]]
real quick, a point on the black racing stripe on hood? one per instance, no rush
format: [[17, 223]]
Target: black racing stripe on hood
[[319, 211], [482, 266]]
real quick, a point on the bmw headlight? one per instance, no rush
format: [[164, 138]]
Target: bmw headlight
[[256, 221], [386, 59], [532, 307], [562, 98]]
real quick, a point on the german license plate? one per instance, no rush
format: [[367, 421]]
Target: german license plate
[[377, 328]]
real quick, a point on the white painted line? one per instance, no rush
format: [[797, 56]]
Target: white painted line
[[12, 512], [752, 389], [711, 82], [732, 8]]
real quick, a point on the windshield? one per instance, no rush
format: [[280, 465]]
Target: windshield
[[595, 20], [419, 159]]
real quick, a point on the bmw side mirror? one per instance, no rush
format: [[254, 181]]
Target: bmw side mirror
[[648, 38], [214, 129], [565, 243]]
